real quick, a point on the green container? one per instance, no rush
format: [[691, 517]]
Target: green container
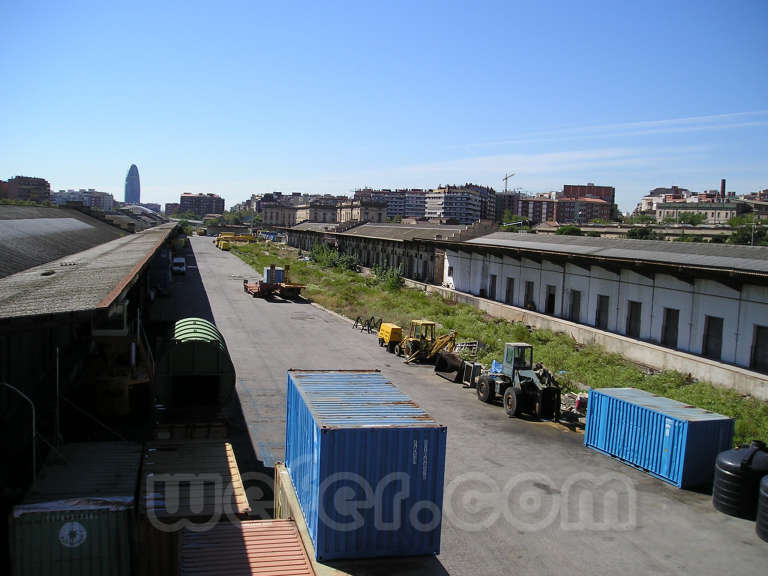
[[196, 370], [78, 542], [79, 516]]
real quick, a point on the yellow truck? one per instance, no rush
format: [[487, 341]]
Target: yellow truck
[[390, 335]]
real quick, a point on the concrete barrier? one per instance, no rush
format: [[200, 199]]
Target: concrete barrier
[[657, 357]]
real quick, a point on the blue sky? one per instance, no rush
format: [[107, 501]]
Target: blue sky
[[325, 97]]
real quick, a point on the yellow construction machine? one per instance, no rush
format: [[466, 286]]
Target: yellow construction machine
[[421, 345]]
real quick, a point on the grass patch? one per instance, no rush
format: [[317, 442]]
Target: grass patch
[[330, 283]]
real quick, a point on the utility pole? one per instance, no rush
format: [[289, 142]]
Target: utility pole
[[506, 178]]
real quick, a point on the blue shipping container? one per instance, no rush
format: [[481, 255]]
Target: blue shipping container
[[279, 275], [671, 440], [367, 465]]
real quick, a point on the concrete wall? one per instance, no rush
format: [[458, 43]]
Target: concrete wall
[[695, 298], [645, 353]]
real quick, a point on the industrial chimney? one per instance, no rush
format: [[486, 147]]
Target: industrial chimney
[[722, 190]]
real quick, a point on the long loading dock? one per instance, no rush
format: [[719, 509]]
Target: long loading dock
[[546, 524]]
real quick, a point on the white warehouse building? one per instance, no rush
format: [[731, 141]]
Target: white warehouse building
[[706, 299]]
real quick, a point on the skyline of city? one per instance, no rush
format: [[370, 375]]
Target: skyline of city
[[301, 98]]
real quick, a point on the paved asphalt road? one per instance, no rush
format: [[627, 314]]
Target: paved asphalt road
[[521, 497]]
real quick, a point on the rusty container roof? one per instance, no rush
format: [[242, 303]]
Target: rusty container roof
[[254, 547], [357, 399], [190, 479]]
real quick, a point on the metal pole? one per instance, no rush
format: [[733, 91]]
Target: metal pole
[[58, 414], [34, 428]]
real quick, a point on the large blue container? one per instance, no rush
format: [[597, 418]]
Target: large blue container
[[673, 441], [367, 465]]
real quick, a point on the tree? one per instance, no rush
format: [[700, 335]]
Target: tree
[[756, 234], [640, 218], [507, 216], [642, 233], [569, 231], [692, 218], [741, 220]]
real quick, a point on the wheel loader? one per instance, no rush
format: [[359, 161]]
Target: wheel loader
[[523, 387]]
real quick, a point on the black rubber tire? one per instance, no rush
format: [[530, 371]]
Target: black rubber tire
[[486, 389], [381, 341], [398, 350], [391, 347], [510, 401]]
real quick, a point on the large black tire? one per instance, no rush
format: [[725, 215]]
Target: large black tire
[[398, 350], [510, 401], [391, 347], [381, 341], [486, 389]]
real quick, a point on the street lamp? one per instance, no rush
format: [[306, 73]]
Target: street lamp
[[34, 430]]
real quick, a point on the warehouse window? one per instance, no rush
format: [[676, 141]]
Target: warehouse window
[[669, 327], [528, 301], [574, 312], [759, 360], [712, 343], [634, 318], [509, 295], [601, 316], [549, 305]]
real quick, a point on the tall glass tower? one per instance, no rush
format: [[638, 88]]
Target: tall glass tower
[[132, 186]]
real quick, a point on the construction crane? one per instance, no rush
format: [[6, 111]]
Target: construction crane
[[506, 178]]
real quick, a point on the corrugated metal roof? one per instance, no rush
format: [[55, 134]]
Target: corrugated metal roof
[[358, 399], [88, 471], [33, 235], [666, 406], [316, 226], [86, 280], [210, 462], [263, 547], [197, 329], [425, 231], [686, 254]]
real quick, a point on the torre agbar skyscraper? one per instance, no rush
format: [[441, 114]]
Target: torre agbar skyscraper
[[132, 186]]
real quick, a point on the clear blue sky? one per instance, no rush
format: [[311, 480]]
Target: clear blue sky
[[326, 97]]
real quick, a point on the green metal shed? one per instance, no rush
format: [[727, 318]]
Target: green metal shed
[[196, 370]]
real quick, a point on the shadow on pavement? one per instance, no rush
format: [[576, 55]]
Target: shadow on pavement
[[421, 565]]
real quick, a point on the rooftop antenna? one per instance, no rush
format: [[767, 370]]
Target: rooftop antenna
[[506, 178]]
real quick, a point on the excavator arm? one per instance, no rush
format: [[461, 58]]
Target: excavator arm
[[444, 342]]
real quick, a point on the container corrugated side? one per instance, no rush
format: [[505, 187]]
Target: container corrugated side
[[194, 481], [72, 542], [253, 547], [673, 441], [79, 516], [354, 435]]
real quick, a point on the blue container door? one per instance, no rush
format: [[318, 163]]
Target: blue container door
[[381, 492]]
